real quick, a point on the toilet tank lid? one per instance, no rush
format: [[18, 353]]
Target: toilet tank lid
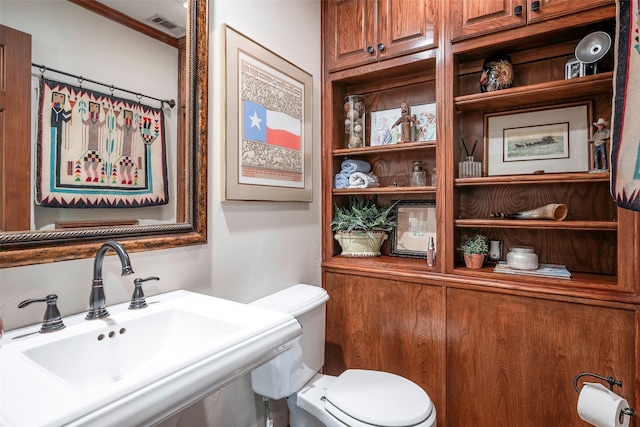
[[295, 300]]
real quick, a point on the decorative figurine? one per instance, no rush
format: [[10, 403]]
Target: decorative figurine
[[405, 121], [599, 140]]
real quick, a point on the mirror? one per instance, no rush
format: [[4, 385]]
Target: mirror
[[26, 247]]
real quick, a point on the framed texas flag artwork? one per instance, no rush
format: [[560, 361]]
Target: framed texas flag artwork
[[268, 124]]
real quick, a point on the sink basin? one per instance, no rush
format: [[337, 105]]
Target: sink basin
[[98, 358], [135, 367]]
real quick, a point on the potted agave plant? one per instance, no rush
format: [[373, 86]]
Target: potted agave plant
[[474, 249], [362, 227]]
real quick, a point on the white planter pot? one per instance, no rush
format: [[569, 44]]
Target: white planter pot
[[360, 244]]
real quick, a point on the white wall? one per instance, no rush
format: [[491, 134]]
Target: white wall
[[254, 248], [278, 242]]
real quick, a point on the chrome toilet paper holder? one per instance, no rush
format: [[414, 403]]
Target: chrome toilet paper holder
[[612, 382]]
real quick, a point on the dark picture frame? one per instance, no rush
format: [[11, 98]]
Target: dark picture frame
[[416, 224]]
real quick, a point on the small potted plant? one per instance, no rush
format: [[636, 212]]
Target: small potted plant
[[362, 227], [474, 249]]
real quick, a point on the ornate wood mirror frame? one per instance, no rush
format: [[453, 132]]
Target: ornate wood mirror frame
[[36, 247]]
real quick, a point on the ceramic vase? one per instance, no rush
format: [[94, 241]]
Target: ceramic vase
[[522, 258], [497, 73], [495, 250]]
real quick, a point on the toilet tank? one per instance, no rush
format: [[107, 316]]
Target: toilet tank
[[289, 371]]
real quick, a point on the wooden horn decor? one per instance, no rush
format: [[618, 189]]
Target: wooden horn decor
[[555, 211]]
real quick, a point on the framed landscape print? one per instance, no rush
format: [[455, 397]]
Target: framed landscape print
[[553, 140]]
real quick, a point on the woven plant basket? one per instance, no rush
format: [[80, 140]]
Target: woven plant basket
[[360, 244]]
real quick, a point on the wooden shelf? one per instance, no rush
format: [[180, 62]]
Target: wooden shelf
[[415, 268], [393, 148], [534, 179], [577, 279], [536, 224], [548, 93], [394, 263], [384, 190]]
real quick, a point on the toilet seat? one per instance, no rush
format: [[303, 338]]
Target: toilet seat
[[373, 398]]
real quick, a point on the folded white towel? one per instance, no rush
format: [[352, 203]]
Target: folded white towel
[[363, 180]]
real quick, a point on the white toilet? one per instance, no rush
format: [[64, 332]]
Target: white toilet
[[357, 398]]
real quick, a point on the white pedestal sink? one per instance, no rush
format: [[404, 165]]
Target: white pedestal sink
[[135, 367]]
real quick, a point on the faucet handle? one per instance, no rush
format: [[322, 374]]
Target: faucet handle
[[137, 299], [52, 320]]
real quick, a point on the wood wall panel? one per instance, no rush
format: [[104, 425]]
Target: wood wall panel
[[387, 325], [511, 360], [15, 130]]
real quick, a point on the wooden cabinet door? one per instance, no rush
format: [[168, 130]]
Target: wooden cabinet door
[[471, 18], [539, 10], [406, 26], [387, 325], [15, 126], [359, 32], [350, 33], [511, 360]]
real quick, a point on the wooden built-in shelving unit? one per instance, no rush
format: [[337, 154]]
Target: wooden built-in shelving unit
[[466, 336]]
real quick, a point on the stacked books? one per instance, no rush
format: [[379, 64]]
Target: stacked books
[[544, 270]]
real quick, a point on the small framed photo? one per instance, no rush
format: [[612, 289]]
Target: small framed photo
[[416, 224], [381, 127], [524, 141], [425, 127], [574, 69]]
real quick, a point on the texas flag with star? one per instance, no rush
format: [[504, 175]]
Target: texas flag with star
[[271, 127]]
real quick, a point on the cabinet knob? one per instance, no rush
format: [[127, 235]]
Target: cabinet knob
[[517, 10], [381, 47], [535, 6], [370, 49]]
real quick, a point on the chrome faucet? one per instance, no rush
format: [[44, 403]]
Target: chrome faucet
[[97, 300]]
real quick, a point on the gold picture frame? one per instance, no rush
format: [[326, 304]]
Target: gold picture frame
[[268, 147]]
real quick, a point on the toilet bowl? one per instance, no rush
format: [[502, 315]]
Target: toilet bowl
[[356, 398]]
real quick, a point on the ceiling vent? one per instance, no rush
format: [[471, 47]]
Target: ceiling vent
[[167, 25]]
